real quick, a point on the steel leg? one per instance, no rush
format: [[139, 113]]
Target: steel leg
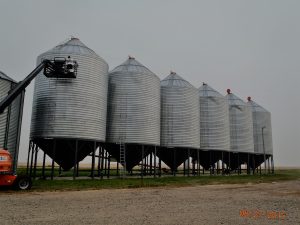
[[44, 164], [53, 156], [155, 162], [75, 160]]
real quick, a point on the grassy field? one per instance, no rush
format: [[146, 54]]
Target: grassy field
[[167, 181]]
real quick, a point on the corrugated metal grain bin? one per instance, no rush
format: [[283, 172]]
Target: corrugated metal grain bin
[[179, 113], [262, 128], [10, 119], [70, 109], [214, 120], [241, 127], [133, 105]]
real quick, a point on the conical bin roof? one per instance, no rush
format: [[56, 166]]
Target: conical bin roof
[[233, 100], [256, 107], [5, 77], [175, 80], [72, 46], [131, 65], [207, 91]]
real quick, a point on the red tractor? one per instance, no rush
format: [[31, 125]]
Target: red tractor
[[7, 177]]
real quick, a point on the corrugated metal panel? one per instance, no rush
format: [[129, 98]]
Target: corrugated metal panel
[[241, 127], [179, 113], [72, 108], [5, 86], [214, 120], [261, 121], [10, 120], [14, 133], [133, 105]]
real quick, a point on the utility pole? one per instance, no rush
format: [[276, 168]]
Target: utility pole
[[263, 140]]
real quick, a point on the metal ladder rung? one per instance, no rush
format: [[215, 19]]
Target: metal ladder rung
[[123, 158]]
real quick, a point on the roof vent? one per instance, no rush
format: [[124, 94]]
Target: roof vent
[[130, 57]]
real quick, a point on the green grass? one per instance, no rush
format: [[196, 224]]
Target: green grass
[[179, 181]]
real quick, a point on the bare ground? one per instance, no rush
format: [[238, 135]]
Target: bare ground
[[211, 204]]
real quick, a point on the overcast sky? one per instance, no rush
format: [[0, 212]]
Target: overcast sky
[[252, 47]]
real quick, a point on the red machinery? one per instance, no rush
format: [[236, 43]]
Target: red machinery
[[7, 177]]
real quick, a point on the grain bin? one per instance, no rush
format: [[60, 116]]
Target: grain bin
[[214, 126], [10, 119], [241, 132], [262, 129], [214, 120], [241, 127], [133, 110], [179, 119], [69, 115]]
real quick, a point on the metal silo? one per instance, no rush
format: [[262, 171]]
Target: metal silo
[[10, 119], [69, 115], [179, 120], [133, 111], [241, 130], [262, 131], [214, 125], [241, 127], [214, 120]]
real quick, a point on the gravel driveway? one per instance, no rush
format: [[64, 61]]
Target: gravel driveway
[[270, 203]]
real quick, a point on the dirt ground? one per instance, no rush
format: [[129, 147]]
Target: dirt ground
[[272, 203]]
